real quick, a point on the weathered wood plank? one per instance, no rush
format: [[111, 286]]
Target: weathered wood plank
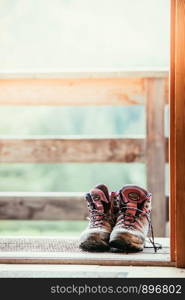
[[64, 251], [101, 91], [156, 152], [81, 91], [42, 206], [179, 143], [42, 258], [62, 243], [61, 150]]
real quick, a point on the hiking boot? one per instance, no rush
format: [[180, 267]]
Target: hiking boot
[[133, 219], [96, 236]]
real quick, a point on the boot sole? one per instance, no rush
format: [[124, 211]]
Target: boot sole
[[94, 245], [95, 242], [127, 243]]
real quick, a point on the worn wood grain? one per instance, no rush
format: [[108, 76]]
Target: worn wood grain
[[156, 152], [179, 123], [42, 259], [78, 91], [67, 252], [85, 91], [172, 214], [42, 206], [61, 150]]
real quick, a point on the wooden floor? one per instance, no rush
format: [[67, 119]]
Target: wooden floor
[[59, 250]]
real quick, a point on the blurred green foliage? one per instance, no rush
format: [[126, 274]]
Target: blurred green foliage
[[52, 228], [85, 121]]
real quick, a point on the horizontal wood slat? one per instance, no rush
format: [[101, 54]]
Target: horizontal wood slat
[[42, 206], [80, 91], [71, 150], [63, 150], [72, 91]]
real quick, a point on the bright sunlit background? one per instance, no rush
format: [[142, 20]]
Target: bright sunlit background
[[58, 35], [44, 34]]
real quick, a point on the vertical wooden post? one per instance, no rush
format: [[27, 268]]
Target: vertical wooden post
[[155, 150], [179, 124], [172, 132]]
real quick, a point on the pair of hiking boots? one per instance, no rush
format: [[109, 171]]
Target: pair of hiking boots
[[118, 220]]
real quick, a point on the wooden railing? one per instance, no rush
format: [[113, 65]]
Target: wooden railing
[[86, 88]]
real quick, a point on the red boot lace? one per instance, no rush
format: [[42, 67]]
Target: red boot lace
[[97, 216], [129, 221]]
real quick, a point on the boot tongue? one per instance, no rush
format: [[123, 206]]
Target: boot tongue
[[132, 198], [99, 200], [134, 195]]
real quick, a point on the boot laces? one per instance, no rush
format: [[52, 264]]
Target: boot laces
[[97, 218], [155, 246]]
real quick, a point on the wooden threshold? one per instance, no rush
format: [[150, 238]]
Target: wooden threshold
[[59, 250]]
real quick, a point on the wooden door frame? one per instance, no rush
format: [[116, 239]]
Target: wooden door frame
[[177, 133]]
